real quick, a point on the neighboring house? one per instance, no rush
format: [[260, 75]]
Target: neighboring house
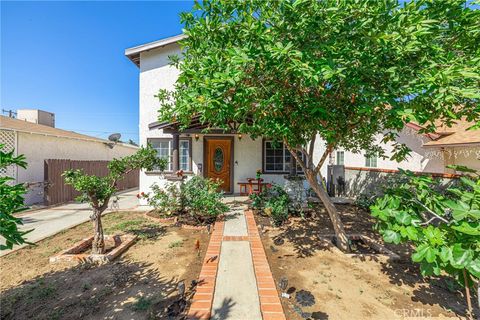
[[430, 153], [38, 139], [233, 157]]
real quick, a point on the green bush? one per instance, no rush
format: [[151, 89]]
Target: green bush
[[166, 201], [11, 202], [443, 225], [201, 198], [197, 197], [277, 208], [274, 202]]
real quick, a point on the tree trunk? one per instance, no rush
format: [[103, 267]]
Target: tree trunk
[[341, 236], [98, 244], [467, 291]]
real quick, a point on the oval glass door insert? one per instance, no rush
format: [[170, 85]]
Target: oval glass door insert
[[218, 159]]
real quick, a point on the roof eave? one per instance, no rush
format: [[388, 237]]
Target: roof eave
[[134, 53]]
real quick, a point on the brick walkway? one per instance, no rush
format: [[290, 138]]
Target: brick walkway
[[226, 294]]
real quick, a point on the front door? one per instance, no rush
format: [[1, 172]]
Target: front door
[[218, 153]]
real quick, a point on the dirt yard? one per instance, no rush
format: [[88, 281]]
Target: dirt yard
[[337, 286], [141, 284]]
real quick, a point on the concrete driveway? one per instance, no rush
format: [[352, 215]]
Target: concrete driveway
[[49, 221]]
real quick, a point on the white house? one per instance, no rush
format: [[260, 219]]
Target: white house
[[36, 137], [233, 157]]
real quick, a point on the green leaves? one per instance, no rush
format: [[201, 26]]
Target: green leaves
[[391, 236], [443, 225], [330, 64], [461, 258], [98, 190], [472, 229], [11, 201]]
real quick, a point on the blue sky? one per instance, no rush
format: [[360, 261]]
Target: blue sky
[[68, 58]]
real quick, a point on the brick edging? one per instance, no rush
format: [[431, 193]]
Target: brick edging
[[270, 305], [202, 301]]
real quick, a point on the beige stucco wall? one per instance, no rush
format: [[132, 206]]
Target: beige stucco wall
[[464, 156], [37, 148], [418, 160]]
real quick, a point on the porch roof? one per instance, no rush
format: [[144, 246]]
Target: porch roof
[[195, 126]]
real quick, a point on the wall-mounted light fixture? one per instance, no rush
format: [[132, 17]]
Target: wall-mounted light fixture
[[239, 136], [197, 137]]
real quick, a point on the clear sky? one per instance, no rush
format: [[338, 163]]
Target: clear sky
[[68, 58]]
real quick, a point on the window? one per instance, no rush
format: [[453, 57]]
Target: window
[[185, 155], [371, 161], [276, 158], [340, 158], [164, 150]]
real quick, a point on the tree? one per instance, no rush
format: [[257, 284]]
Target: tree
[[98, 190], [343, 71], [11, 201], [444, 227]]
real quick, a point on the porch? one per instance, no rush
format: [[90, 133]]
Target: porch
[[227, 155]]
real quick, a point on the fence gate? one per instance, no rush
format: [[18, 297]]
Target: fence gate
[[56, 191]]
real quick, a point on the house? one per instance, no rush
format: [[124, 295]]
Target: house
[[234, 157], [34, 135]]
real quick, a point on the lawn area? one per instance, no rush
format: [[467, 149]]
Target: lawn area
[[140, 284], [352, 287]]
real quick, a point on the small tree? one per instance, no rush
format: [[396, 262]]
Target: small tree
[[444, 227], [346, 71], [98, 190], [11, 201]]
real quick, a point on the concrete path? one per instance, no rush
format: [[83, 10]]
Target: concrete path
[[49, 221], [236, 282]]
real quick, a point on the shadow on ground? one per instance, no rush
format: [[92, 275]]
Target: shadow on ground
[[306, 238], [115, 291]]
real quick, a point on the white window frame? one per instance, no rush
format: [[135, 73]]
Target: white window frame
[[337, 156], [285, 165], [189, 156], [371, 161]]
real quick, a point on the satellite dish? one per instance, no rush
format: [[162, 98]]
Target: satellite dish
[[115, 137]]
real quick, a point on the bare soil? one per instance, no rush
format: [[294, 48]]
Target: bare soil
[[140, 284], [352, 287]]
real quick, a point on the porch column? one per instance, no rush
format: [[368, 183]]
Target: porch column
[[293, 166], [175, 152]]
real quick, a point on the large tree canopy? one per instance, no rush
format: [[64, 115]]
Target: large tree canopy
[[345, 70]]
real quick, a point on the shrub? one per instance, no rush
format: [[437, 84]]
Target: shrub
[[277, 208], [166, 201], [274, 202], [201, 198], [444, 226], [197, 197], [11, 202]]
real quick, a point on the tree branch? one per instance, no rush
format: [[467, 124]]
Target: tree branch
[[436, 216], [310, 150], [323, 158], [295, 155]]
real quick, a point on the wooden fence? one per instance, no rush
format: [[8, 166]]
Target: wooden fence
[[56, 191]]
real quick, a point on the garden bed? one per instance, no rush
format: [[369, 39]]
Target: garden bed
[[363, 285], [140, 284], [80, 252]]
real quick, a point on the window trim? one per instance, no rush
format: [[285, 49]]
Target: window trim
[[337, 157], [264, 155], [190, 164], [369, 159]]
